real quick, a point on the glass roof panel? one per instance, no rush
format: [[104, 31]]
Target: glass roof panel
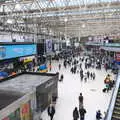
[[63, 3]]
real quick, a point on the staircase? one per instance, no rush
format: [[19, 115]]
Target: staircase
[[116, 111]]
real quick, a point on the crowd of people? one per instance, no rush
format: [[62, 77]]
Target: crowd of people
[[75, 63], [109, 83]]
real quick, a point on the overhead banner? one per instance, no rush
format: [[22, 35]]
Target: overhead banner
[[48, 46], [13, 51]]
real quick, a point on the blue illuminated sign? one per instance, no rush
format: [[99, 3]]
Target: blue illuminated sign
[[13, 51]]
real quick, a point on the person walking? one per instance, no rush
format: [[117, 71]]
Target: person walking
[[80, 65], [98, 115], [88, 74], [93, 75], [59, 66], [61, 77], [82, 112], [81, 76], [51, 111], [85, 77], [75, 114]]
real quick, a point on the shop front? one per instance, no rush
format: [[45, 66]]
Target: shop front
[[10, 55], [28, 62]]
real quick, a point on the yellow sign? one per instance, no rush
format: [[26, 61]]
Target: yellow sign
[[27, 60], [43, 71]]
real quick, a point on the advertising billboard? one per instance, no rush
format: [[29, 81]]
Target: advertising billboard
[[48, 46], [118, 57], [13, 116], [25, 112], [13, 51]]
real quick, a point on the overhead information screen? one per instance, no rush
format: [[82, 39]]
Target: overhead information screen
[[13, 51]]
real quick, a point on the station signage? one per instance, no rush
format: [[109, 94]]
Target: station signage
[[48, 46]]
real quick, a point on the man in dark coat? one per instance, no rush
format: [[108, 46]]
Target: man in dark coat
[[81, 76], [88, 74], [59, 66], [81, 71], [98, 115], [51, 111], [75, 114], [82, 112], [81, 98]]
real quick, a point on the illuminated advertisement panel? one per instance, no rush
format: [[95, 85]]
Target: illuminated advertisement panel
[[13, 51]]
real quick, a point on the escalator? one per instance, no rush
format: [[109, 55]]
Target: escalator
[[116, 110]]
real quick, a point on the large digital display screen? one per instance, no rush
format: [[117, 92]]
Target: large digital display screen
[[13, 51]]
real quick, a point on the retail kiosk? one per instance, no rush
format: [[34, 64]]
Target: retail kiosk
[[29, 92]]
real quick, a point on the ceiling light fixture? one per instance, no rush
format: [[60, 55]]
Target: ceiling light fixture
[[83, 25], [18, 7], [10, 21], [65, 19]]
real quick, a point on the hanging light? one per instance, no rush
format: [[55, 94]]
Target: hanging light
[[18, 7], [83, 25], [66, 19], [9, 21]]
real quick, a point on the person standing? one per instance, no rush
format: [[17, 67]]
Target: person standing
[[50, 66], [81, 72], [51, 111], [82, 112], [75, 114], [80, 101]]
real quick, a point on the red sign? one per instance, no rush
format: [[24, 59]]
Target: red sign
[[6, 118], [118, 57]]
